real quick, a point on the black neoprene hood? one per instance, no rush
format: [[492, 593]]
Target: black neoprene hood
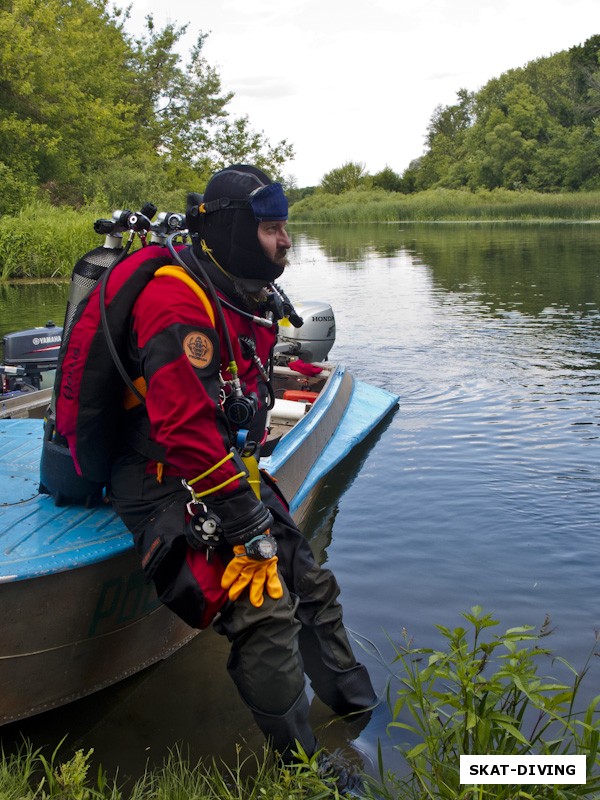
[[235, 200]]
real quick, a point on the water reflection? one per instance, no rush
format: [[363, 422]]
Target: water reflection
[[531, 269], [29, 305]]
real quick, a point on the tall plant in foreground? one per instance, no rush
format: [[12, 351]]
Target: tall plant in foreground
[[485, 697]]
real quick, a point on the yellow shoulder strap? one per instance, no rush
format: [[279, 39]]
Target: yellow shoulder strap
[[178, 272], [250, 462], [253, 477], [131, 401]]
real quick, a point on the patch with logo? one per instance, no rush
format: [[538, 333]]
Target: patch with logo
[[199, 349]]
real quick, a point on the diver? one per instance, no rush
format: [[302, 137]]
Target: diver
[[212, 531]]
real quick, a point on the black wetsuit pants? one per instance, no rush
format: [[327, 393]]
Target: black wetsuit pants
[[272, 647]]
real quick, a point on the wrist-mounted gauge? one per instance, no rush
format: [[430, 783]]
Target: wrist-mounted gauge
[[261, 548]]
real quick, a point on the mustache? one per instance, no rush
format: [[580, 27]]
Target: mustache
[[281, 258]]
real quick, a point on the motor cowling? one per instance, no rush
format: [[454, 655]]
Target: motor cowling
[[313, 340], [27, 355], [35, 347]]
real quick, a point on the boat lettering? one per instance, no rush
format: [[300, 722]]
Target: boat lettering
[[120, 600]]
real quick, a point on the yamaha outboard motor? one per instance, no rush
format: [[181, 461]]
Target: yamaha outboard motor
[[28, 354]]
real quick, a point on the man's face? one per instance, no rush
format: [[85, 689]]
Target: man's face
[[275, 241]]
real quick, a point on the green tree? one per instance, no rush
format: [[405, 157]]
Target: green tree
[[569, 161], [86, 107], [531, 127], [584, 63], [388, 179], [63, 74], [512, 135], [349, 176], [442, 165], [236, 141]]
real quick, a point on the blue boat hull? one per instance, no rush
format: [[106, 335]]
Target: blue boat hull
[[77, 613]]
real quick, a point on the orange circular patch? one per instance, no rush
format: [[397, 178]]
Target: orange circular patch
[[198, 349]]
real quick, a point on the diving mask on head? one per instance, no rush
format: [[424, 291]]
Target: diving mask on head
[[265, 202], [269, 202]]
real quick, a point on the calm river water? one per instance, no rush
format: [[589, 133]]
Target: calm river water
[[483, 488]]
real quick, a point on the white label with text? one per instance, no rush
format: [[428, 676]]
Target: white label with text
[[522, 769]]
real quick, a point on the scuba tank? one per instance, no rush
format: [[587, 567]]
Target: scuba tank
[[58, 475]]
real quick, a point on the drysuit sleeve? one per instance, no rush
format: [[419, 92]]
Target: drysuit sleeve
[[179, 352]]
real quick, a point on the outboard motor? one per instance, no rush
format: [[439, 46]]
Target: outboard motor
[[313, 340], [27, 354]]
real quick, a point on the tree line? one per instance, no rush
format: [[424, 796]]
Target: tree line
[[92, 113], [536, 127]]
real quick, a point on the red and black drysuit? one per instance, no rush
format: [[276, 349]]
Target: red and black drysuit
[[181, 355]]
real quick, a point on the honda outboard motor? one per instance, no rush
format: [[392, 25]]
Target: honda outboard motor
[[313, 340]]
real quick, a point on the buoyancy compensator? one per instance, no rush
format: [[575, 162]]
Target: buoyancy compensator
[[61, 473], [79, 430]]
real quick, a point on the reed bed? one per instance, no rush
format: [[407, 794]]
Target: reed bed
[[447, 205], [44, 241]]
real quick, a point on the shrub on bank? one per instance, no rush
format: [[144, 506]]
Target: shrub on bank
[[484, 696]]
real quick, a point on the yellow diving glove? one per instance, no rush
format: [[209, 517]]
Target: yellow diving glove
[[255, 565]]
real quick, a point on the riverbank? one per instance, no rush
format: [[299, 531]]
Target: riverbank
[[479, 694], [43, 241], [31, 775]]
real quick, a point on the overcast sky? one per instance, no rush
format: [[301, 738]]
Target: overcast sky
[[345, 80]]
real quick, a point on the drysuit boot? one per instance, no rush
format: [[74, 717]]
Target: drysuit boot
[[285, 732], [346, 776], [337, 678], [347, 691]]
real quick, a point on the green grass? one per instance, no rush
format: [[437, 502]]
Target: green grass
[[481, 694], [30, 775], [43, 241], [437, 205]]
